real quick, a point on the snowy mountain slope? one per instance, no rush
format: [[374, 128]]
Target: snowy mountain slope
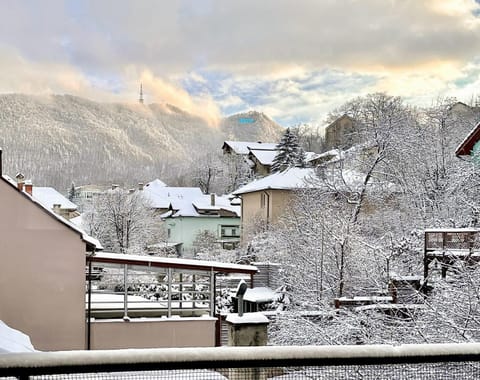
[[58, 139]]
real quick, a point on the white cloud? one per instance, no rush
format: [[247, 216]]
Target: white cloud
[[295, 59]]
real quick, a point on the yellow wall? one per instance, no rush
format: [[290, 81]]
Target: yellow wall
[[254, 215], [42, 274]]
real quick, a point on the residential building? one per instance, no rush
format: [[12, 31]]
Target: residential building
[[243, 147], [42, 270], [89, 191], [46, 260], [257, 155], [341, 133], [53, 200], [266, 199], [187, 212], [260, 161], [471, 144]]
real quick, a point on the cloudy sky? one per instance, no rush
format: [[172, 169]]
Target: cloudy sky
[[294, 60]]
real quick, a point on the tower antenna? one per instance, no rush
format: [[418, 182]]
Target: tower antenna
[[140, 99]]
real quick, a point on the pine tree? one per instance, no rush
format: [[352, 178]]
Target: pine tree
[[289, 153], [71, 193]]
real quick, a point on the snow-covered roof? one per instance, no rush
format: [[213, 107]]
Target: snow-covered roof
[[307, 178], [156, 183], [184, 201], [78, 220], [333, 153], [265, 157], [390, 306], [48, 196], [85, 237], [247, 318], [290, 179], [453, 229], [155, 261], [221, 203], [243, 147], [259, 295], [180, 198]]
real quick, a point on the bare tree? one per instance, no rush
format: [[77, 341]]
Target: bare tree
[[123, 221]]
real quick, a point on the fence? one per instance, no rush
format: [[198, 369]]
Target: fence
[[436, 361]]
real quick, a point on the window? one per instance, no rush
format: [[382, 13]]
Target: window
[[229, 231]]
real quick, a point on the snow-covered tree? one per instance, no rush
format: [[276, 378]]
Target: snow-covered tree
[[310, 137], [346, 240], [289, 153], [123, 222]]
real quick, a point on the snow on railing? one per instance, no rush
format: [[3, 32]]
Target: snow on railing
[[233, 357]]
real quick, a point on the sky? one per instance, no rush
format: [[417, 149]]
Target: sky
[[294, 60]]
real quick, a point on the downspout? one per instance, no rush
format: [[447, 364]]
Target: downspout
[[169, 300], [89, 307], [267, 196], [125, 293], [218, 322]]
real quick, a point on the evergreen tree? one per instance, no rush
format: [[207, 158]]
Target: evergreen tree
[[71, 193], [289, 153]]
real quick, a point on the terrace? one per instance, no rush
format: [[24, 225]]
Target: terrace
[[154, 295], [446, 246]]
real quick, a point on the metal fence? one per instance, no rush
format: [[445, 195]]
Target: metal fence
[[436, 361]]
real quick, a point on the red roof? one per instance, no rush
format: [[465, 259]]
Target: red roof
[[466, 146]]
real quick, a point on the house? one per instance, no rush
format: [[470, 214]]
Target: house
[[89, 191], [330, 156], [53, 200], [257, 155], [42, 270], [471, 144], [260, 161], [47, 287], [341, 133], [243, 147], [186, 212], [264, 200]]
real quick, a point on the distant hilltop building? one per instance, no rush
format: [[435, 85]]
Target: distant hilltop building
[[140, 98], [342, 133]]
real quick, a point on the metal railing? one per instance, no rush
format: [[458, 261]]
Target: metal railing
[[124, 292], [436, 361]]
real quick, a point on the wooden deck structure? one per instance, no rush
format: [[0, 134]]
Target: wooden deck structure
[[449, 245]]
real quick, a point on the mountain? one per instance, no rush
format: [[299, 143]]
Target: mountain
[[57, 139], [251, 126]]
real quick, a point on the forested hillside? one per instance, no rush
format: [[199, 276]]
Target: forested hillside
[[57, 140]]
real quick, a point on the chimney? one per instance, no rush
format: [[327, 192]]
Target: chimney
[[56, 208], [140, 186], [29, 187], [20, 181], [212, 199]]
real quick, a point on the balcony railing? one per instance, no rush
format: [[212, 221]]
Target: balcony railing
[[436, 361]]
